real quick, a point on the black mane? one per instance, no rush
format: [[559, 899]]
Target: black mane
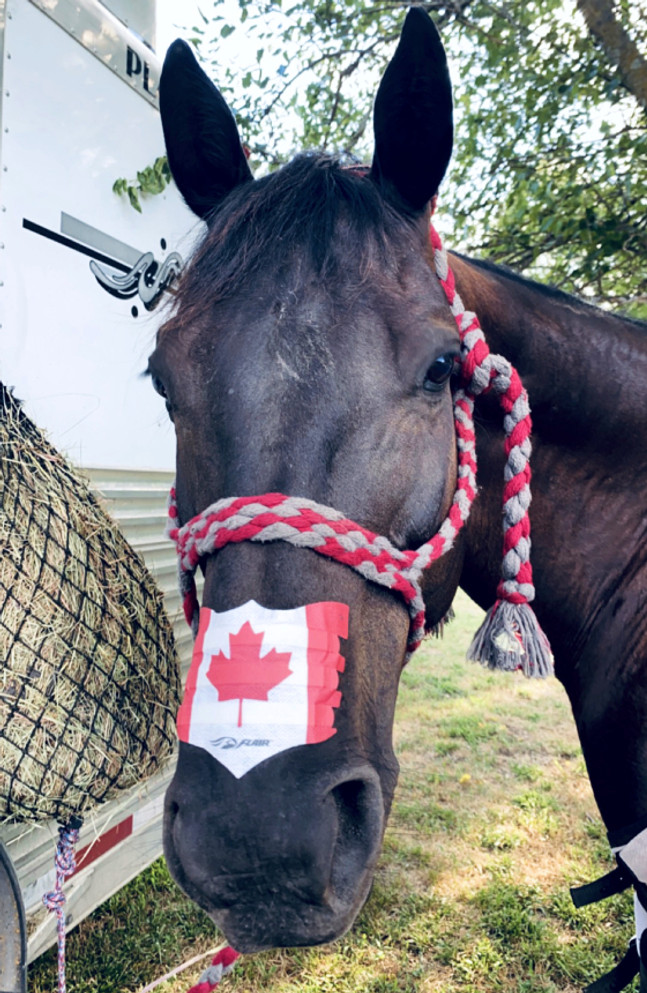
[[548, 290]]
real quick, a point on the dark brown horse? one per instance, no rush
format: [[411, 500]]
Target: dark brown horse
[[310, 353]]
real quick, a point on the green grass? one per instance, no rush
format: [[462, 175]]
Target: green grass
[[492, 821]]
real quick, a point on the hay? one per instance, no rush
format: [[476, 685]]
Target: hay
[[89, 677]]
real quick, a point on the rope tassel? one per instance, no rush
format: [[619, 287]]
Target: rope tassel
[[510, 638]]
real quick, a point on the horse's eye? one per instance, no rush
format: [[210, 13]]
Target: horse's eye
[[158, 386], [439, 372]]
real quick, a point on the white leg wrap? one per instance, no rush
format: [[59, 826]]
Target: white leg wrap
[[634, 856]]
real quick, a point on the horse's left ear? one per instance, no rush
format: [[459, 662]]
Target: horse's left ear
[[413, 117], [202, 141]]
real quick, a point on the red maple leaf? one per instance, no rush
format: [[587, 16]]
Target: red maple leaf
[[247, 675]]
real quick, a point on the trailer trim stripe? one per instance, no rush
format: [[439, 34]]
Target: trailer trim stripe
[[69, 243], [99, 846]]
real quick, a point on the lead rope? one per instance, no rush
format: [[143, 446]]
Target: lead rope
[[221, 965], [510, 636], [68, 835]]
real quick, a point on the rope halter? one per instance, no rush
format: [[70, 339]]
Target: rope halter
[[510, 636]]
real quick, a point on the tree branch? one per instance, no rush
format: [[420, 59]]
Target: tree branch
[[618, 46]]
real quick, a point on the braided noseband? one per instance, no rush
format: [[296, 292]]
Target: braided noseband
[[510, 637]]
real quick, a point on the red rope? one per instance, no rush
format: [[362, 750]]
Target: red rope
[[221, 965]]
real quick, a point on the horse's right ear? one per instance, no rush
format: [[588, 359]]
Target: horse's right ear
[[202, 141], [413, 117]]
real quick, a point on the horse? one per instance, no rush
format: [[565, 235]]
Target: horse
[[311, 356]]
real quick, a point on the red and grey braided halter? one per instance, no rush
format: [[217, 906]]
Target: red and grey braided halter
[[510, 637]]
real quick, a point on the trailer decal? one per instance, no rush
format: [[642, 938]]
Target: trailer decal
[[147, 278], [62, 240], [142, 273]]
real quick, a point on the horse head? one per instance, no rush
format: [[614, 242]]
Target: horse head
[[309, 355]]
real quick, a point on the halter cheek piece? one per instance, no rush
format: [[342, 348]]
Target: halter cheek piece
[[510, 637]]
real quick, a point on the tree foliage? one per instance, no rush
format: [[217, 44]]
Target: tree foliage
[[550, 166]]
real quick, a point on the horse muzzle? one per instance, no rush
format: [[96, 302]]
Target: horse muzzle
[[274, 863]]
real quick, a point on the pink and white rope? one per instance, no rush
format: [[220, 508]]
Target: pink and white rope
[[68, 835], [510, 637], [482, 371]]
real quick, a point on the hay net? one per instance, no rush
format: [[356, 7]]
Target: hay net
[[89, 677]]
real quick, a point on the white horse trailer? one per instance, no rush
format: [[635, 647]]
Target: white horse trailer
[[81, 275]]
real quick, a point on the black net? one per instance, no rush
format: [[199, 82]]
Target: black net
[[89, 678]]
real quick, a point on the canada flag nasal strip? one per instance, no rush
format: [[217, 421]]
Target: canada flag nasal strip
[[262, 681]]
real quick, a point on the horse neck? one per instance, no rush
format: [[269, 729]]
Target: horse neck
[[584, 368]]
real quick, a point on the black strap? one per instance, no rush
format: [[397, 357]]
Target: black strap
[[613, 882], [620, 976]]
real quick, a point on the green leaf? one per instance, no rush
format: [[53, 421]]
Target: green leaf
[[133, 196]]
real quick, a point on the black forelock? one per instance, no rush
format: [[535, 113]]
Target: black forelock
[[330, 215]]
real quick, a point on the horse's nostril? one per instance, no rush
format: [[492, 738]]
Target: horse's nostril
[[350, 799], [277, 873], [360, 822]]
